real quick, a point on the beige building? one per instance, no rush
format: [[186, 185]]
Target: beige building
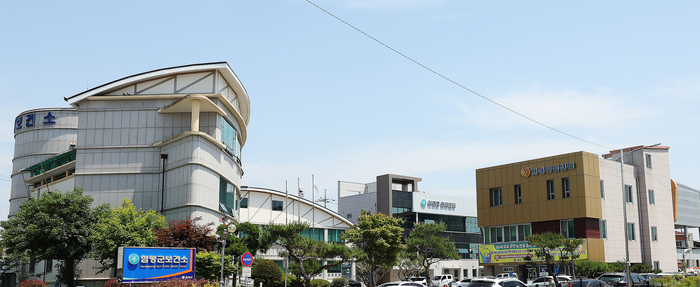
[[579, 195]]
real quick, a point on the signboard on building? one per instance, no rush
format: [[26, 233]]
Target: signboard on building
[[516, 252], [148, 264]]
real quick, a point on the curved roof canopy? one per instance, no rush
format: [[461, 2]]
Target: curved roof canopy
[[205, 78]]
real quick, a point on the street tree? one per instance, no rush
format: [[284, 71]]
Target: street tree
[[56, 225], [186, 233], [305, 254], [376, 241], [245, 239], [431, 246], [209, 265], [123, 226], [409, 265], [552, 249]]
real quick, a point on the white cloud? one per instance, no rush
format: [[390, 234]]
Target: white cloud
[[601, 107]]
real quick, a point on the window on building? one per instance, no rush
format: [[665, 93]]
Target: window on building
[[336, 235], [567, 228], [523, 230], [651, 197], [465, 273], [602, 189], [227, 196], [648, 156], [277, 205], [603, 229], [510, 233], [349, 215], [628, 193], [472, 225], [654, 235], [487, 237], [496, 234], [630, 231], [565, 191], [229, 138], [313, 233], [550, 189], [474, 273], [32, 264], [496, 197], [656, 265], [244, 202], [517, 190]]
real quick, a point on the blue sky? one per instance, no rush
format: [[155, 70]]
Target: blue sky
[[329, 101]]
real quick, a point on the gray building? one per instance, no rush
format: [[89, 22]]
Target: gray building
[[398, 196], [169, 139]]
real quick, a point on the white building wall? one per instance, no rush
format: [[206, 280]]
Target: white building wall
[[612, 211]]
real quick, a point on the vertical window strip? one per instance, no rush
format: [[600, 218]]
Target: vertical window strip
[[602, 189]]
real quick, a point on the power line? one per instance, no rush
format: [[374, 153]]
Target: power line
[[454, 82]]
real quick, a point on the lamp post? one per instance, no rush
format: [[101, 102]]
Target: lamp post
[[687, 251], [230, 228], [624, 210]]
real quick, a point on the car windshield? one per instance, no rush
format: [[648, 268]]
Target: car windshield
[[611, 278], [414, 279], [589, 283], [481, 284], [437, 277]]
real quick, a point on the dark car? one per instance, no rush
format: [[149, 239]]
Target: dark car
[[353, 283], [614, 278], [589, 283]]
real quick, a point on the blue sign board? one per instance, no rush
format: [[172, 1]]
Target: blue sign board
[[148, 264]]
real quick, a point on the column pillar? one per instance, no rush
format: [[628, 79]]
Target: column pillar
[[195, 115]]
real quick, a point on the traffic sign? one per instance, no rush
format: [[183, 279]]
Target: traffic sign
[[247, 272], [247, 259]]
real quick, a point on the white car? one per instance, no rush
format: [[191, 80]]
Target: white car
[[464, 282], [442, 280], [544, 280], [402, 284], [418, 279], [497, 282], [507, 275]]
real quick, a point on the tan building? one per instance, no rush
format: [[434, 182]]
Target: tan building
[[578, 195]]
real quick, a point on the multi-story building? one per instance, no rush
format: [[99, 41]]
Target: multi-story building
[[398, 196], [169, 139], [579, 195]]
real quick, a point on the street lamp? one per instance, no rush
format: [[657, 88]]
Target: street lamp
[[687, 251], [230, 228], [624, 209]]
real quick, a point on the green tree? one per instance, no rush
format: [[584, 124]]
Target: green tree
[[304, 251], [590, 269], [376, 240], [56, 225], [267, 272], [409, 265], [186, 233], [245, 239], [209, 265], [641, 268], [123, 226], [549, 246], [617, 266], [431, 246]]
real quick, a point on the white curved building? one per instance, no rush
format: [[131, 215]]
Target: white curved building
[[169, 139]]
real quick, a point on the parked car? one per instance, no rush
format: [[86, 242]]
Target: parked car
[[507, 275], [402, 284], [613, 278], [353, 283], [589, 283], [418, 279], [464, 282], [442, 280], [544, 280], [496, 282]]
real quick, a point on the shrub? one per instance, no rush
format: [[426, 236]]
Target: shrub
[[320, 283], [339, 282], [32, 283], [267, 272], [113, 283]]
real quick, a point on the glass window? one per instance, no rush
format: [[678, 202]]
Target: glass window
[[277, 205], [513, 234], [49, 265], [630, 231], [517, 190], [499, 234], [244, 202], [550, 189], [603, 229], [628, 193], [496, 197], [313, 233], [566, 192], [654, 236], [656, 265], [651, 197], [648, 160], [335, 235], [473, 272], [567, 228], [229, 138], [227, 196], [602, 189], [506, 230]]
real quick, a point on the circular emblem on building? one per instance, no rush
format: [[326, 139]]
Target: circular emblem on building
[[134, 259], [423, 202]]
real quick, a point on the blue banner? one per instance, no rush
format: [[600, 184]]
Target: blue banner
[[148, 264]]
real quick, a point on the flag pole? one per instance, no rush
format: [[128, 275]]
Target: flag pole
[[313, 207], [286, 203]]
